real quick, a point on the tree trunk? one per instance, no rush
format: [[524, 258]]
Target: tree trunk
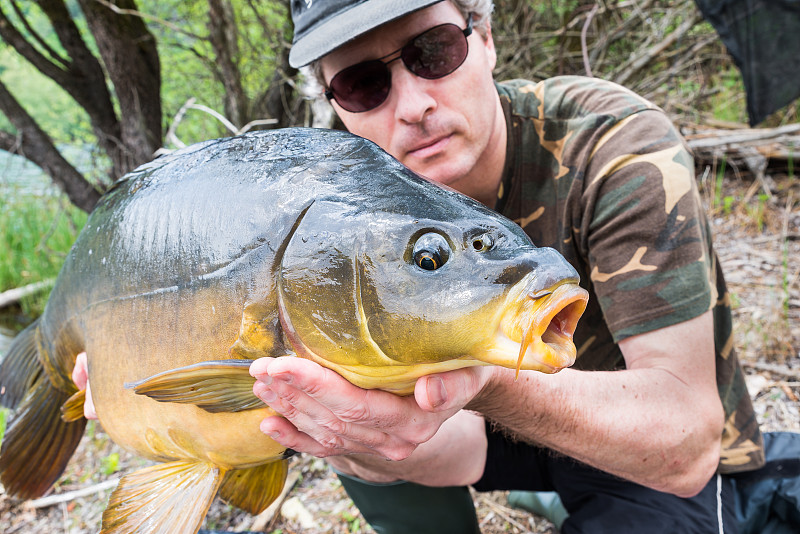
[[130, 56], [223, 37]]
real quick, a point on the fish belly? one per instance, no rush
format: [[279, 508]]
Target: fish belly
[[133, 338]]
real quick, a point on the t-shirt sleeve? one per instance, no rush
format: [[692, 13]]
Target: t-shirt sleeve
[[642, 232]]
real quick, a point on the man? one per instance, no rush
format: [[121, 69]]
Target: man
[[639, 435], [587, 168]]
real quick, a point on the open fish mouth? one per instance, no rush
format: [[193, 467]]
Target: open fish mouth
[[537, 328]]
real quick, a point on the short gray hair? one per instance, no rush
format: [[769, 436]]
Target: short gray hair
[[481, 18]]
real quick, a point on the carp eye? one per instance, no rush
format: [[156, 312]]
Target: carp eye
[[482, 243], [431, 251]]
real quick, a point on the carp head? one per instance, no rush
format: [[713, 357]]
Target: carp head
[[384, 297]]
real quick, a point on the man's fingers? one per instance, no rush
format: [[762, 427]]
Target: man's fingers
[[88, 404], [350, 403], [450, 391], [79, 373], [325, 427]]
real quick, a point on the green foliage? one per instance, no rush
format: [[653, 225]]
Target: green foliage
[[353, 522], [728, 101], [559, 8], [187, 70], [756, 213], [3, 416], [35, 233], [110, 464]]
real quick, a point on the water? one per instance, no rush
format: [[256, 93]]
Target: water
[[6, 336], [19, 177]]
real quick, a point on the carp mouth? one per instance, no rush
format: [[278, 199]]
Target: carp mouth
[[536, 329]]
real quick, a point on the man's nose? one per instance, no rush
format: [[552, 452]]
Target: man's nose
[[412, 101]]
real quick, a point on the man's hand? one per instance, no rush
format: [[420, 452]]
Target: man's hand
[[80, 375], [324, 415]]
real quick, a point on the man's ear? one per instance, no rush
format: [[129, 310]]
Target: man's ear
[[491, 52]]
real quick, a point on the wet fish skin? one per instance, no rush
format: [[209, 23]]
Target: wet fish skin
[[271, 244]]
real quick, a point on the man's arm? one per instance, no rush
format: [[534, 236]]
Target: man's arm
[[657, 423]]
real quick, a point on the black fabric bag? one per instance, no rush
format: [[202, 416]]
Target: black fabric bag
[[763, 37], [768, 499]]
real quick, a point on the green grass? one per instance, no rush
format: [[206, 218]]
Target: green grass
[[35, 236], [3, 412]]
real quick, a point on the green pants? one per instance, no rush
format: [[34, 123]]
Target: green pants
[[408, 508]]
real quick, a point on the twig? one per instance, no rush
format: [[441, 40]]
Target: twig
[[50, 500], [640, 61], [587, 67], [172, 137], [133, 12], [12, 296], [503, 512], [773, 368], [720, 138]]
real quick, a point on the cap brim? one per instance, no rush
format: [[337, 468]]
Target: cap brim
[[349, 24]]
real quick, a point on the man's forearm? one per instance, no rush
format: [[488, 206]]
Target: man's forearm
[[643, 425]]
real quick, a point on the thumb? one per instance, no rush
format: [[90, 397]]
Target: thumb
[[449, 391]]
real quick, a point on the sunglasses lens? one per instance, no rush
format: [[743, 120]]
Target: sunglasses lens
[[361, 87], [437, 52], [432, 54]]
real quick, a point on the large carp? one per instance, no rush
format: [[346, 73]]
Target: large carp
[[295, 242]]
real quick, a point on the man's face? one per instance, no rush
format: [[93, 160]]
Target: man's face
[[450, 129]]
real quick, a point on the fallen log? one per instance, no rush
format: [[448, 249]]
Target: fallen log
[[782, 143], [13, 296]]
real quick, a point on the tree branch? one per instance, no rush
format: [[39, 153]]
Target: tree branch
[[38, 38], [36, 146], [14, 37]]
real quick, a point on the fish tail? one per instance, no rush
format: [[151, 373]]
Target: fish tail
[[20, 368], [171, 497], [38, 443]]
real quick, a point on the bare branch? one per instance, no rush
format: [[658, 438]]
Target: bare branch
[[38, 38], [136, 13], [587, 67]]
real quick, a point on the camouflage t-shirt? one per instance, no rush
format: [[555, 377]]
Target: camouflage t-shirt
[[602, 176]]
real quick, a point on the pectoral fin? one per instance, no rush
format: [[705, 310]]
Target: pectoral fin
[[254, 489], [171, 497], [215, 386], [72, 410]]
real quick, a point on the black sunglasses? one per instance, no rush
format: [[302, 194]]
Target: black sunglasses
[[433, 54]]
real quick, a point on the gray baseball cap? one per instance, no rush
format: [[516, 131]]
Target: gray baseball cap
[[320, 26]]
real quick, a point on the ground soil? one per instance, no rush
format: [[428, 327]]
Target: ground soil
[[757, 237]]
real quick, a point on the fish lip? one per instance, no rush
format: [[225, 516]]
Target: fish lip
[[537, 327]]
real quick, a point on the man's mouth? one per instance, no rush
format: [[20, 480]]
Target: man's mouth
[[430, 147]]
